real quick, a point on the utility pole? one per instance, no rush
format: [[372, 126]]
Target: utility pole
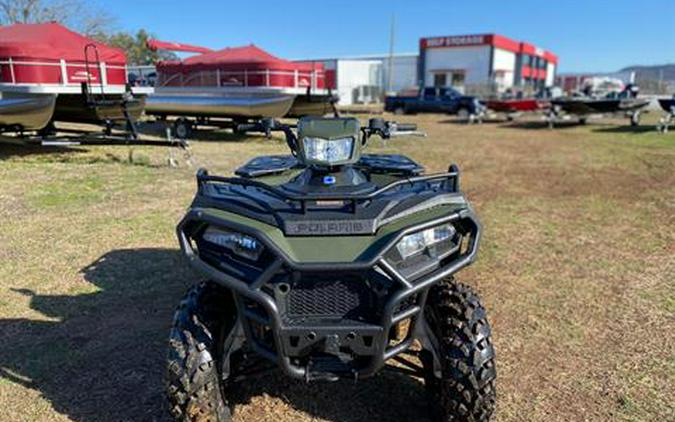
[[390, 67]]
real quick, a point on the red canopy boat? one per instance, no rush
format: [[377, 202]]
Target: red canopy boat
[[240, 83], [87, 77], [49, 58]]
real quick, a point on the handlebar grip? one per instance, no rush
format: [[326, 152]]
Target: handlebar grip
[[406, 127]]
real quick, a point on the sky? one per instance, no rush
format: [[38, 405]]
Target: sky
[[591, 35]]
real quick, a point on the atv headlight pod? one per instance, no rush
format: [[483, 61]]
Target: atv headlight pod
[[329, 151], [417, 243], [240, 244]]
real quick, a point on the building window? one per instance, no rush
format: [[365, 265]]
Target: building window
[[440, 79], [458, 79]]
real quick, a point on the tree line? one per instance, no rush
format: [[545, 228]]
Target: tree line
[[87, 19]]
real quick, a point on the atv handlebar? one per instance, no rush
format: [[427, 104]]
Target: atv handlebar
[[388, 129], [376, 127]]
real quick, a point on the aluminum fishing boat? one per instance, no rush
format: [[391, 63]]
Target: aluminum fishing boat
[[668, 104], [587, 106], [623, 103]]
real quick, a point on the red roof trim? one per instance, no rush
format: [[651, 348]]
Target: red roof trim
[[550, 57], [505, 43], [527, 48]]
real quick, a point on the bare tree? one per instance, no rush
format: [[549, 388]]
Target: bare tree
[[82, 17], [78, 15]]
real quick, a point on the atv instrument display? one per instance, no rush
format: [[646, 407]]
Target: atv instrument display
[[330, 263]]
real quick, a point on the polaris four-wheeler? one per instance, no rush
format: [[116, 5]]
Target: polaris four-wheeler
[[330, 264]]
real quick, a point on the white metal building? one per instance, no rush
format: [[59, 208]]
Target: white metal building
[[354, 81], [365, 79], [403, 71]]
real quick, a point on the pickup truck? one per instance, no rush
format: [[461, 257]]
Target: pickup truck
[[436, 100]]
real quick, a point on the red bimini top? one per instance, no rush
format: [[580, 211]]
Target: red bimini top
[[247, 66], [51, 56]]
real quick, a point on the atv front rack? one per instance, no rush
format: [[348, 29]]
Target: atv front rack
[[406, 290], [451, 176]]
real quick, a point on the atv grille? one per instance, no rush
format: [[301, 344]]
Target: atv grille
[[344, 299]]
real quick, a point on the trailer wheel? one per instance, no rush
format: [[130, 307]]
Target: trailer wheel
[[583, 120], [182, 128], [399, 110], [464, 115], [461, 378]]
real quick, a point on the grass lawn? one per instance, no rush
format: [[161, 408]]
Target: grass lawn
[[577, 269]]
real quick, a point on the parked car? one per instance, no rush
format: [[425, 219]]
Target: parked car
[[435, 100]]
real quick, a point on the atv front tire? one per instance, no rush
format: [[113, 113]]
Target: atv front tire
[[465, 390], [193, 381]]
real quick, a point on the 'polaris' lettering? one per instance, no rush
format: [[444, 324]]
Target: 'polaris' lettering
[[329, 227]]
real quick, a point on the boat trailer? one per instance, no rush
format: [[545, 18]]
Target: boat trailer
[[107, 111]]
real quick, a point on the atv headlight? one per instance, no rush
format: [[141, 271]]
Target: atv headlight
[[416, 243], [238, 243], [329, 151]]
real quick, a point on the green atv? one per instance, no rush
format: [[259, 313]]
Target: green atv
[[330, 264]]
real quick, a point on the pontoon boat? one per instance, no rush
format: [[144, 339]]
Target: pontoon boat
[[239, 83], [63, 76]]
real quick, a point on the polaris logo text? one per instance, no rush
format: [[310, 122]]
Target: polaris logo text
[[329, 227]]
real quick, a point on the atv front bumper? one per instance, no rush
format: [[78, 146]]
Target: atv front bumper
[[371, 342]]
